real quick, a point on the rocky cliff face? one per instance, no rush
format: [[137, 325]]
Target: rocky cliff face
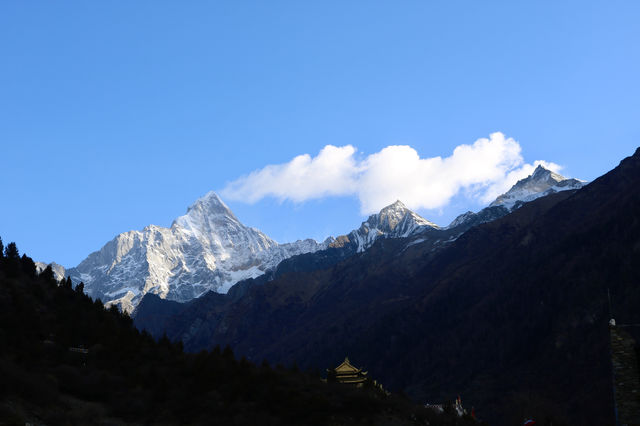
[[393, 221], [206, 249], [58, 270]]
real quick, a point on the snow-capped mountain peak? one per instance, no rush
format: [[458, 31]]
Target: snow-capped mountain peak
[[540, 183], [393, 215], [206, 213], [208, 248], [390, 216], [542, 174], [211, 205], [393, 221]]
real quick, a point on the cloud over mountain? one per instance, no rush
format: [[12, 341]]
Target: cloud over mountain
[[480, 171]]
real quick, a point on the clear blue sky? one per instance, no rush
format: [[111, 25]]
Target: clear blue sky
[[116, 115]]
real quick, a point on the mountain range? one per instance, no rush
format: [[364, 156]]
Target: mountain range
[[206, 249], [209, 249], [506, 307]]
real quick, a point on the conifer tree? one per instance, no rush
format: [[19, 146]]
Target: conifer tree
[[65, 282], [228, 352], [1, 248], [28, 265], [11, 251], [47, 273]]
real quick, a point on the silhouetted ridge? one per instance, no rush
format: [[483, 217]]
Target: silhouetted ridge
[[64, 359]]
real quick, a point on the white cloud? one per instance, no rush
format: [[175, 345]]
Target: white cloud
[[332, 172], [483, 170]]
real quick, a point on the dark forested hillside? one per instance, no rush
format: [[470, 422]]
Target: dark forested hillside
[[512, 315], [64, 359]]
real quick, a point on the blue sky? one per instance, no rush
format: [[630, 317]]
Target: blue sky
[[116, 115]]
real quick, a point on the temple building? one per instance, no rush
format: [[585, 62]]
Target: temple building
[[347, 374]]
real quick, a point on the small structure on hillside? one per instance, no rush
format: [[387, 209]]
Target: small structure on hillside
[[347, 374]]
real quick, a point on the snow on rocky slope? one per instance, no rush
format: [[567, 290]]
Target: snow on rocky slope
[[206, 249], [58, 270], [393, 221], [542, 182], [209, 249]]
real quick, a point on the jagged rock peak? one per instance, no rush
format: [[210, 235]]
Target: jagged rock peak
[[396, 206], [393, 221], [542, 173], [58, 270], [210, 204], [393, 214], [207, 249], [206, 213], [540, 183]]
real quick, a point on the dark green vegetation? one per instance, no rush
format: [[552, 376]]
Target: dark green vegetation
[[512, 315], [128, 378]]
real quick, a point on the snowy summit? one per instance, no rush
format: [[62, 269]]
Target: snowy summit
[[209, 249], [393, 221], [206, 249], [541, 182]]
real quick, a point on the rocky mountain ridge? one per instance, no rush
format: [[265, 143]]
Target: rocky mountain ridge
[[393, 221], [540, 183], [209, 249], [512, 314], [206, 249]]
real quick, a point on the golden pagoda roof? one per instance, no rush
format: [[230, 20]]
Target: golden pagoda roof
[[347, 368]]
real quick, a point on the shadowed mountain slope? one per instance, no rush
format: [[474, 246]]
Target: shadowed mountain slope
[[66, 360], [512, 314]]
